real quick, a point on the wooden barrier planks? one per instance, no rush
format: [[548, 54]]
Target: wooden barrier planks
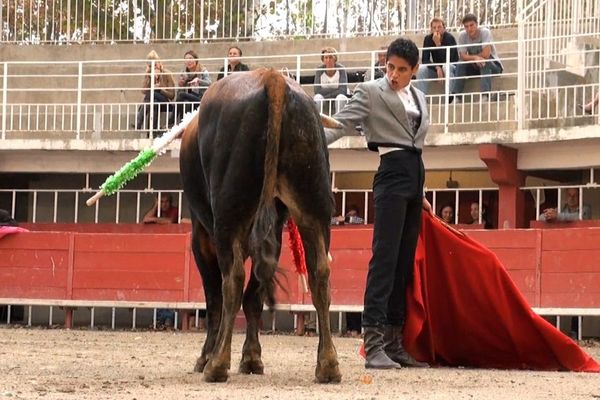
[[34, 265]]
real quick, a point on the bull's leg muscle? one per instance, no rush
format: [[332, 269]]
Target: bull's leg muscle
[[231, 262], [206, 259], [313, 238], [251, 362]]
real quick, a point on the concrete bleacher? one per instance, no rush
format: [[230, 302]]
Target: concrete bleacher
[[112, 91]]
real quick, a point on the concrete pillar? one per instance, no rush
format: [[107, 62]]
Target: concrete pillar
[[502, 165]]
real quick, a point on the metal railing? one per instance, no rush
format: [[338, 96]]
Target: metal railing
[[109, 21], [588, 196], [129, 205], [554, 35], [104, 97]]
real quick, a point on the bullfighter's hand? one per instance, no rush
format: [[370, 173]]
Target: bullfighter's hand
[[427, 206]]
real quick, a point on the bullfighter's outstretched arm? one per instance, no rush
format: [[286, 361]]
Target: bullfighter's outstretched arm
[[354, 113]]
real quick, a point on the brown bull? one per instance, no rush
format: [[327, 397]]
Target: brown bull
[[261, 157]]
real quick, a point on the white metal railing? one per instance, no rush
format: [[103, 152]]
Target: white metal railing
[[130, 205], [553, 35], [68, 205], [103, 97], [109, 21], [589, 197]]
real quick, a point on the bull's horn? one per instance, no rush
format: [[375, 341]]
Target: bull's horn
[[329, 122]]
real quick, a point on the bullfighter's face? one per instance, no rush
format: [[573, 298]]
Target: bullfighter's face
[[399, 72]]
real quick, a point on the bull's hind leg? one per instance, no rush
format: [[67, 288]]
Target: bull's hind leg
[[314, 239], [261, 288], [231, 263], [251, 362], [206, 259]]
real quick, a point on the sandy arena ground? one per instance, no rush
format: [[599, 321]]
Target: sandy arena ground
[[60, 364]]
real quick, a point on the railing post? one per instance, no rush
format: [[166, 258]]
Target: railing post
[[79, 88], [201, 23], [4, 98], [447, 89], [68, 22], [372, 66], [1, 22], [521, 65], [152, 116], [298, 68]]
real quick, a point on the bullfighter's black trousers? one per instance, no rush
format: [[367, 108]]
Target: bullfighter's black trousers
[[398, 198]]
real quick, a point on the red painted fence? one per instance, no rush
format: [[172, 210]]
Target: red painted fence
[[553, 268]]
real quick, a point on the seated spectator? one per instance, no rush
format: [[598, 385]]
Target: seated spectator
[[570, 211], [6, 219], [235, 65], [379, 66], [592, 105], [164, 90], [474, 210], [441, 40], [352, 216], [480, 57], [192, 83], [331, 80], [169, 214], [446, 213]]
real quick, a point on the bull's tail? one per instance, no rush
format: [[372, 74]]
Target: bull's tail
[[263, 238]]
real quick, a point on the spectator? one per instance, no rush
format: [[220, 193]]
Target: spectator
[[352, 216], [442, 40], [235, 65], [164, 90], [192, 83], [480, 57], [6, 219], [169, 214], [331, 80], [592, 105], [570, 211], [474, 210], [446, 213], [379, 66]]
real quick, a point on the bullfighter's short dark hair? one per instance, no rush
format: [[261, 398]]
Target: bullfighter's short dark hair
[[404, 48]]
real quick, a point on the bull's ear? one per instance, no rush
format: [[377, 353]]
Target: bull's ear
[[329, 122]]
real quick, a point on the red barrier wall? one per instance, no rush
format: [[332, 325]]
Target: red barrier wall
[[553, 268]]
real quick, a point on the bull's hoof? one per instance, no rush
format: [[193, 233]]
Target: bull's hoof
[[214, 373], [200, 364], [252, 366], [328, 372]]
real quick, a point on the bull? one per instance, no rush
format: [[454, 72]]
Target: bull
[[256, 155]]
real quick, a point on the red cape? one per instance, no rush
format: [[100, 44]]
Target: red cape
[[463, 309], [7, 230]]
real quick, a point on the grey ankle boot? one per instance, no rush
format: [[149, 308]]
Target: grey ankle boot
[[392, 344], [376, 357]]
